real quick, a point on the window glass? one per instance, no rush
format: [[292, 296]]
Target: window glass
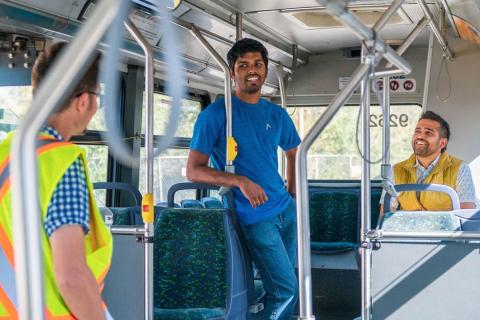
[[161, 112], [169, 168], [98, 120], [14, 103], [97, 158], [335, 155]]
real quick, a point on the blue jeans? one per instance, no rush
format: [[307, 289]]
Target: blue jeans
[[273, 246]]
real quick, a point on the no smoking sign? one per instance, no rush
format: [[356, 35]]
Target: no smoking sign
[[400, 85]]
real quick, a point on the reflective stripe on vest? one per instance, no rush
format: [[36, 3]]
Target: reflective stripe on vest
[[8, 293], [98, 242]]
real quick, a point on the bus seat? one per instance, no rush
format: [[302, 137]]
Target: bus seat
[[199, 266], [421, 221], [212, 203], [116, 216], [137, 214], [164, 204], [333, 220], [188, 203]]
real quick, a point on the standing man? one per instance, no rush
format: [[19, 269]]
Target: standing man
[[77, 247], [264, 207], [431, 163]]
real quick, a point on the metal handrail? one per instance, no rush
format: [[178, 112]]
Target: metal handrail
[[228, 95], [435, 29], [25, 201], [410, 38], [338, 9], [148, 229], [283, 101], [303, 220]]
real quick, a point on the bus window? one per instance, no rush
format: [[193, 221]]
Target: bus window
[[14, 102], [98, 121], [334, 154], [169, 167], [161, 110], [97, 158]]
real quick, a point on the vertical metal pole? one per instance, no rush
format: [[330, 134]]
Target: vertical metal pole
[[386, 121], [149, 231], [283, 98], [239, 26], [365, 249], [24, 193], [229, 167], [426, 88], [303, 214]]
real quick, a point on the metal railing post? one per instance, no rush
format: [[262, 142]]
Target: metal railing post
[[238, 26], [302, 201], [365, 226], [283, 99], [25, 201], [229, 167], [149, 134], [435, 29], [410, 38]]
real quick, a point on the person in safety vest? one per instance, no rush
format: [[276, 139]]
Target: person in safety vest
[[76, 244], [264, 207], [431, 163]]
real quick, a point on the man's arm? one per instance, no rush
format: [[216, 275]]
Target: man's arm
[[199, 171], [75, 281], [291, 156], [465, 187]]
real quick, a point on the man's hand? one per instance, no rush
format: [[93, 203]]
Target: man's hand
[[252, 191]]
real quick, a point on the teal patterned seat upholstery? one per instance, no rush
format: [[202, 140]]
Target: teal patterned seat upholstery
[[190, 264], [120, 216], [191, 204], [420, 221], [333, 220]]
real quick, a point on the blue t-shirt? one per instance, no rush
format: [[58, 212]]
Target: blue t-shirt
[[259, 130]]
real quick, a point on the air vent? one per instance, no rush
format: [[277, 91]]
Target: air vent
[[352, 53], [320, 18]]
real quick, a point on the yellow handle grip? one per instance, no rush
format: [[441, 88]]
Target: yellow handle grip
[[148, 214], [232, 149]]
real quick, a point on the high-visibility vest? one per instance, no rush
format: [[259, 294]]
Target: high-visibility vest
[[445, 172], [54, 158]]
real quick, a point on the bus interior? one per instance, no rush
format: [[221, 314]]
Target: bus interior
[[330, 62]]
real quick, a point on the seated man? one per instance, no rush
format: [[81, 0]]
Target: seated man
[[431, 164]]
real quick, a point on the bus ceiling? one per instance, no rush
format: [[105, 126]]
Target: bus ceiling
[[464, 16], [292, 31]]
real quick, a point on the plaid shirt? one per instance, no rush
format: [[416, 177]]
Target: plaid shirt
[[69, 203]]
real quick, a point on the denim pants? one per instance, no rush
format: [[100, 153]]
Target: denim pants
[[273, 246]]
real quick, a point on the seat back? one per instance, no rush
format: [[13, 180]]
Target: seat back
[[420, 221], [333, 219], [198, 262]]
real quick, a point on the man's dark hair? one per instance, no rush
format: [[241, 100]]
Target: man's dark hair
[[244, 46], [46, 59], [444, 126]]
